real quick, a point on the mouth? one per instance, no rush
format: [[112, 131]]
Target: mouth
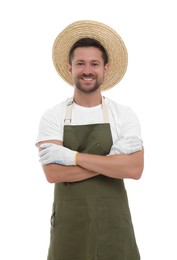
[[88, 78]]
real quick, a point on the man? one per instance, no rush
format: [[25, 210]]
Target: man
[[88, 144]]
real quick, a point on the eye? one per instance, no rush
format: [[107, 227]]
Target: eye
[[95, 64], [80, 63]]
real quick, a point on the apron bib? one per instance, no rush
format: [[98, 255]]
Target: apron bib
[[91, 219]]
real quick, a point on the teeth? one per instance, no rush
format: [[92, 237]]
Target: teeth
[[87, 78]]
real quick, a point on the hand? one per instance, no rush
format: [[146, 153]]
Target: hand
[[126, 145], [53, 153]]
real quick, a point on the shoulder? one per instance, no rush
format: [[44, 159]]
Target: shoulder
[[118, 109], [51, 123], [57, 111], [124, 117]]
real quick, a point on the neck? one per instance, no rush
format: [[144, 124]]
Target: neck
[[87, 99]]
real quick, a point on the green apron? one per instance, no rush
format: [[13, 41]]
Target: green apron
[[91, 218]]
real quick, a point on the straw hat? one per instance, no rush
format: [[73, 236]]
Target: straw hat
[[110, 39]]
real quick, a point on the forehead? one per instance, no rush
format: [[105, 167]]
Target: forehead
[[90, 53]]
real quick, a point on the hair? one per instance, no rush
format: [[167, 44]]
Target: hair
[[88, 42]]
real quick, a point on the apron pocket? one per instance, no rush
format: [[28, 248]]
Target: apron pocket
[[70, 235], [115, 230]]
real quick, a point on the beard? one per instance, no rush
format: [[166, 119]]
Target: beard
[[87, 89]]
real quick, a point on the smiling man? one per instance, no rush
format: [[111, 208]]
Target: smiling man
[[87, 64], [88, 145]]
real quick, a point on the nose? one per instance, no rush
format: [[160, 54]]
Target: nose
[[87, 69]]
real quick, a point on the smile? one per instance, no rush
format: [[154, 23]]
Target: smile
[[87, 79]]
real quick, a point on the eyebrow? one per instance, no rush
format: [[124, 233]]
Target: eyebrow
[[90, 60]]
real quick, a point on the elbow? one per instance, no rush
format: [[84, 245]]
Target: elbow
[[50, 178], [50, 174], [137, 172], [138, 167], [136, 175]]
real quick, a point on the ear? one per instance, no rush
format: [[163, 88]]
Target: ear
[[106, 68], [70, 69]]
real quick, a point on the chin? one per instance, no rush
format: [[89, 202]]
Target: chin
[[88, 88]]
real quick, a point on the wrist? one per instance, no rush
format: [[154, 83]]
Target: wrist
[[75, 158]]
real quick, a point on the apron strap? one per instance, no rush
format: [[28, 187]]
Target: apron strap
[[105, 111], [68, 114]]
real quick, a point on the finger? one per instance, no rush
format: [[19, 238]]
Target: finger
[[45, 159], [43, 152], [44, 156], [46, 145], [43, 162]]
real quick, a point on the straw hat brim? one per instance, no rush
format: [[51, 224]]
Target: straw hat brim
[[110, 39]]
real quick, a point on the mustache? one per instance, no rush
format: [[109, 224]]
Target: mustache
[[90, 75]]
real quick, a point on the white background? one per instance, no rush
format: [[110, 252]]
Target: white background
[[29, 85]]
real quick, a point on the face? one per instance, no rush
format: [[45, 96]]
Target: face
[[87, 69]]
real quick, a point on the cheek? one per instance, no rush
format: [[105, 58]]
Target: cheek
[[77, 72], [102, 73]]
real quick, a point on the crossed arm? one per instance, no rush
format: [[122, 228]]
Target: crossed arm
[[118, 166]]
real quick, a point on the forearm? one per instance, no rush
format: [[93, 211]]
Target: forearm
[[59, 173], [118, 166]]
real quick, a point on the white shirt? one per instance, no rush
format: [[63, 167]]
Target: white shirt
[[123, 120]]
